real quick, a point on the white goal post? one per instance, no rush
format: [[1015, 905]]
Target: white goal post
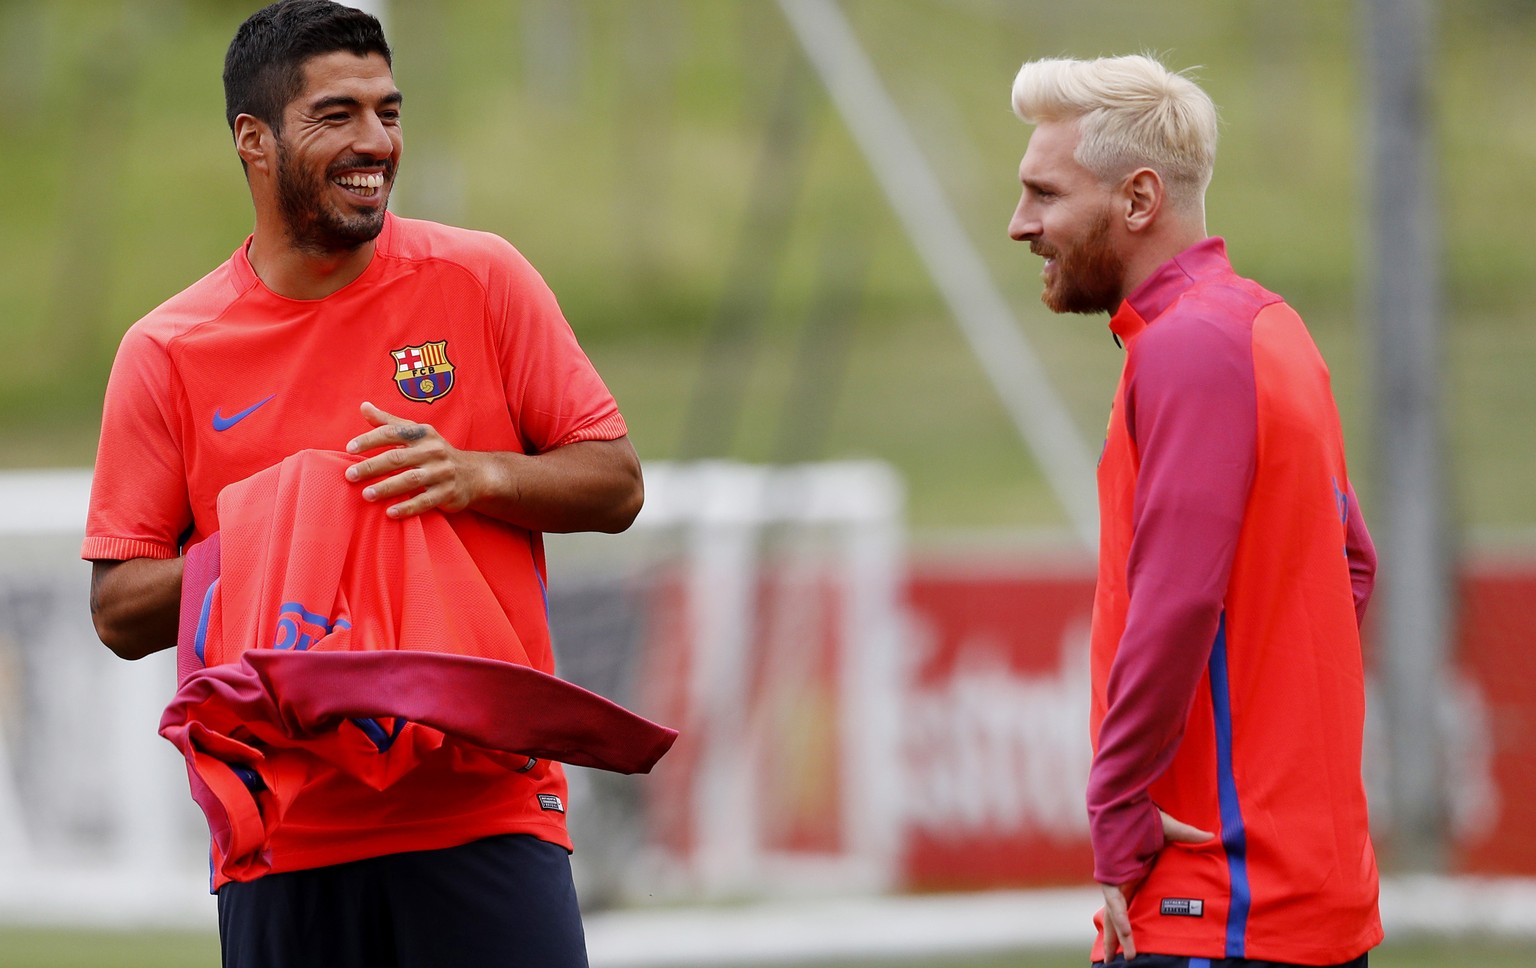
[[698, 612]]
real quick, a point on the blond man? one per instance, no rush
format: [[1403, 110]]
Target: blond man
[[1227, 813]]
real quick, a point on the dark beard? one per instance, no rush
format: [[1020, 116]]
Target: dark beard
[[1089, 277], [314, 225]]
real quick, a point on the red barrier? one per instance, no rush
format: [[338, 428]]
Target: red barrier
[[997, 726], [1496, 654], [996, 729], [990, 734]]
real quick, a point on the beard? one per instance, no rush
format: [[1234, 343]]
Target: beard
[[1088, 275], [314, 223]]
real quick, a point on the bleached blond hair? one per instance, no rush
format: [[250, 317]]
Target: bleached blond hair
[[1132, 112]]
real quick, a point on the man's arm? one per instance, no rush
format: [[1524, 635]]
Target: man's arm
[[135, 604], [589, 485], [1191, 411]]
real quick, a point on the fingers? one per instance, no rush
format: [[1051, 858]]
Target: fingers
[[389, 431], [434, 484], [378, 417], [414, 463], [1111, 939], [398, 458], [1178, 832], [1117, 923], [420, 503], [423, 490]]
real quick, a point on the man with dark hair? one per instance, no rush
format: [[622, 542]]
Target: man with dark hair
[[330, 304], [264, 66]]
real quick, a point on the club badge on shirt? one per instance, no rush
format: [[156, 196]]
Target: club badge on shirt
[[423, 373]]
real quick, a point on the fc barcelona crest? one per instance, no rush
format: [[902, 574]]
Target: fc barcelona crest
[[423, 372]]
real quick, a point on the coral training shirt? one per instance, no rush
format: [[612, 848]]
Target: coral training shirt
[[445, 326], [1228, 687]]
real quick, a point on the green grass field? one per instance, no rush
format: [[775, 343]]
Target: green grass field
[[21, 948]]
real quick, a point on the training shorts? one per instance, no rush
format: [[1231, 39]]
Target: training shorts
[[507, 901]]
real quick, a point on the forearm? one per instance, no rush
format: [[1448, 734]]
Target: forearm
[[591, 485], [136, 604], [588, 485], [1152, 683]]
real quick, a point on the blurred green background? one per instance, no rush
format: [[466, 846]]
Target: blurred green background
[[675, 170]]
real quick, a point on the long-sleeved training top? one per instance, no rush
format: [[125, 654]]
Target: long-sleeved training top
[[1228, 687]]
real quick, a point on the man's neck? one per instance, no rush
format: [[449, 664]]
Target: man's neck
[[1148, 258], [299, 274]]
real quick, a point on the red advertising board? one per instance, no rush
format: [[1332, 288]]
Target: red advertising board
[[989, 735], [996, 734], [998, 714], [1493, 752]]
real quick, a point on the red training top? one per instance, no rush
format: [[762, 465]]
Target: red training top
[[445, 326], [1228, 687]]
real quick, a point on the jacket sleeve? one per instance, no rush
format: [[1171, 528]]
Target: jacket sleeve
[[1362, 556], [1192, 413]]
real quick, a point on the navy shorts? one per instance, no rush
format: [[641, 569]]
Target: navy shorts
[[1178, 961], [506, 901]]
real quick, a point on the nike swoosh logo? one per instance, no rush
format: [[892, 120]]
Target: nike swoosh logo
[[222, 423]]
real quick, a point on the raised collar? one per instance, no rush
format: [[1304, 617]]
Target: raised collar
[[1159, 290]]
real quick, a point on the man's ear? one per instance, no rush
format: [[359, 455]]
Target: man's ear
[[1143, 197], [254, 142]]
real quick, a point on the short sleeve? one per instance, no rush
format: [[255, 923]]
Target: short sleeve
[[555, 393], [139, 505]]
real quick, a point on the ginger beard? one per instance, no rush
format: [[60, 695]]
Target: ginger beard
[[1086, 276], [316, 224]]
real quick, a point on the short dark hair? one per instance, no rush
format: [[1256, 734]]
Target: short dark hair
[[264, 66]]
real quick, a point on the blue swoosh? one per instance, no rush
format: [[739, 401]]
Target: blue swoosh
[[222, 423]]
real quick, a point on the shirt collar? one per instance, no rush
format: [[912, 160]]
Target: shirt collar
[[1159, 290]]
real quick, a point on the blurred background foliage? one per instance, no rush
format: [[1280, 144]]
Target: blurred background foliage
[[675, 170]]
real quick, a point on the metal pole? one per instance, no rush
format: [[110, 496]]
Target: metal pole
[[956, 268], [1414, 577]]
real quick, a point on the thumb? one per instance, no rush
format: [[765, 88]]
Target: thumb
[[1178, 832]]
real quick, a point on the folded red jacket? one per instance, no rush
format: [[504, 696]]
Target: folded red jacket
[[322, 676]]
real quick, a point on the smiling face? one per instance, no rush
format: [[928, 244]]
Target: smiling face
[[1064, 213], [337, 153]]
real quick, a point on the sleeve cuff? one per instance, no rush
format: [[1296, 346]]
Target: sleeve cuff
[[122, 549], [1126, 847], [610, 427]]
